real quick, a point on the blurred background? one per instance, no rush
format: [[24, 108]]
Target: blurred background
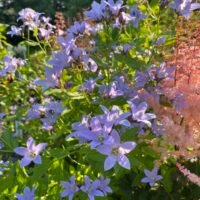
[[69, 8]]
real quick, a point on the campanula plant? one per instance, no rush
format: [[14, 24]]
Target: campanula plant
[[86, 114]]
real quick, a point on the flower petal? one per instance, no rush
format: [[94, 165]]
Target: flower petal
[[104, 149], [109, 162], [115, 136], [25, 161], [145, 180], [127, 147], [22, 151], [40, 147], [124, 161], [37, 159]]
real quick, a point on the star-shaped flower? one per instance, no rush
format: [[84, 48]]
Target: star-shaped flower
[[28, 194], [151, 176], [116, 151], [31, 153], [70, 188], [139, 115], [92, 188]]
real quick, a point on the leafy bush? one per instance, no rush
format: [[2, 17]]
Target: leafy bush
[[96, 112]]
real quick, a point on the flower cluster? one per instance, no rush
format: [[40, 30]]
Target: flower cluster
[[184, 7], [46, 113], [32, 20], [10, 65], [98, 187], [108, 10], [101, 69]]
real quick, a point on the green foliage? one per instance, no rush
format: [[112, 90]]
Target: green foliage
[[65, 156]]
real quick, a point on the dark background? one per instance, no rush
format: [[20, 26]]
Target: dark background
[[10, 8]]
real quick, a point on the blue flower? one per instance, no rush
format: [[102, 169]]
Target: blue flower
[[137, 14], [51, 81], [151, 176], [184, 7], [92, 188], [89, 85], [126, 48], [115, 8], [28, 194], [104, 185], [31, 153], [70, 188], [2, 115], [111, 91], [114, 117], [46, 113], [98, 11], [123, 19], [116, 151], [29, 17], [78, 28], [10, 65], [139, 115], [14, 31]]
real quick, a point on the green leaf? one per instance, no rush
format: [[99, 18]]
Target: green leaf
[[29, 43], [41, 169], [75, 95], [57, 152]]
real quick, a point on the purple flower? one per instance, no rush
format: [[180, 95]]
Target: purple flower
[[77, 28], [60, 61], [141, 78], [123, 19], [51, 81], [29, 17], [89, 85], [28, 194], [115, 8], [46, 113], [92, 131], [28, 14], [114, 117], [104, 185], [31, 153], [10, 65], [151, 176], [164, 72], [137, 14], [45, 33], [2, 115], [14, 31], [100, 133], [1, 144], [160, 40], [89, 64], [184, 7], [70, 188], [92, 188], [139, 115], [122, 85], [110, 91], [116, 152], [84, 124], [126, 48], [98, 11]]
